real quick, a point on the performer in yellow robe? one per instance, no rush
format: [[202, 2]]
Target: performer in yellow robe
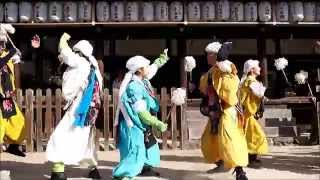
[[228, 142], [251, 97], [12, 123]]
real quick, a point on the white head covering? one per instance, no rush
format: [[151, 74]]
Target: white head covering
[[6, 29], [248, 65], [133, 64], [86, 49], [213, 47]]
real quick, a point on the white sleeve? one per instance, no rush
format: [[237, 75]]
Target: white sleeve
[[69, 57], [152, 71], [257, 89], [140, 106]]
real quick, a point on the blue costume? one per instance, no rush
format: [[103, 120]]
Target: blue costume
[[133, 153]]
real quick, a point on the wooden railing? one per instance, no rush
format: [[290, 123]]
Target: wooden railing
[[43, 109]]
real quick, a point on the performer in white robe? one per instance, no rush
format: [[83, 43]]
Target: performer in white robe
[[72, 142]]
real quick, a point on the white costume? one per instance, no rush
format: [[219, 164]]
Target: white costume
[[71, 144]]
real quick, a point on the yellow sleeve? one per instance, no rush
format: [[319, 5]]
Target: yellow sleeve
[[249, 101], [203, 83], [226, 86]]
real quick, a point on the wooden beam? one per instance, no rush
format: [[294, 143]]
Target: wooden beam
[[182, 50]]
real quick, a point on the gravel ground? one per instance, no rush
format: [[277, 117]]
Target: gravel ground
[[283, 163]]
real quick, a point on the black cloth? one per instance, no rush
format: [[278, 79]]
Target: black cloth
[[224, 51]]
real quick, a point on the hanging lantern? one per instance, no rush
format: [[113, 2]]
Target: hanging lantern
[[1, 12], [40, 11], [208, 11], [147, 11], [25, 11], [11, 12], [237, 11], [309, 9], [132, 11], [194, 13], [162, 11], [176, 11], [70, 11], [55, 11], [117, 11], [223, 10], [103, 11], [282, 11], [251, 12], [265, 11], [84, 10], [296, 11]]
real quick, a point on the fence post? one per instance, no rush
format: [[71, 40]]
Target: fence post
[[29, 120], [19, 98], [164, 112], [38, 128], [49, 120], [174, 124], [184, 130], [106, 119], [58, 106], [115, 95]]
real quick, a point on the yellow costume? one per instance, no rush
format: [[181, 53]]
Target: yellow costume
[[229, 144], [12, 129], [256, 139]]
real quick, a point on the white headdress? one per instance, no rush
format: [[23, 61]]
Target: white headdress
[[133, 64], [213, 47], [248, 65], [6, 29]]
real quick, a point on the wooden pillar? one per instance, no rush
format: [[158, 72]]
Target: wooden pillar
[[261, 44], [17, 70], [99, 52], [182, 50]]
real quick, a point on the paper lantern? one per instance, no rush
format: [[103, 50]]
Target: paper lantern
[[11, 12], [55, 11], [208, 11], [237, 11], [70, 11], [296, 11], [176, 11], [265, 11], [40, 12], [84, 10], [132, 11], [103, 11], [25, 11], [282, 11], [162, 11], [251, 12], [117, 11], [223, 10], [310, 11], [147, 11], [1, 12], [194, 13]]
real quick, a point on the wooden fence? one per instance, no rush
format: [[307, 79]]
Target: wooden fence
[[43, 111]]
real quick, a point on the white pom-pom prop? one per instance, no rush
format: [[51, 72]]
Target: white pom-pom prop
[[179, 96], [301, 78], [280, 65], [189, 63]]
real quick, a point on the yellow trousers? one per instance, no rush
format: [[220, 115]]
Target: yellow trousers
[[12, 129], [256, 139], [228, 145]]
